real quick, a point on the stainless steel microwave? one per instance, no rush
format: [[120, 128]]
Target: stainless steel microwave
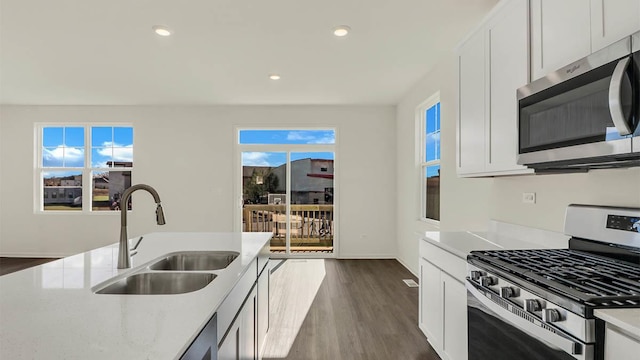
[[584, 115]]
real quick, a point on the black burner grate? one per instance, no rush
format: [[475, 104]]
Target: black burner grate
[[590, 279]]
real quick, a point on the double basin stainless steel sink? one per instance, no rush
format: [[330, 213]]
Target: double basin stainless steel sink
[[175, 273]]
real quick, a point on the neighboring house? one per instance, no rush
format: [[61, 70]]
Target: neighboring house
[[62, 195], [311, 181]]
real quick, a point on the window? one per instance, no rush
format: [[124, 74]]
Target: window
[[429, 115], [83, 162]]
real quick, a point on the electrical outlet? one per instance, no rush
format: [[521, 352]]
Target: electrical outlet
[[529, 198]]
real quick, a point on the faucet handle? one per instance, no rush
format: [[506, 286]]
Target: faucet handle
[[135, 247]]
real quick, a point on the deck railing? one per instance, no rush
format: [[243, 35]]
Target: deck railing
[[312, 226]]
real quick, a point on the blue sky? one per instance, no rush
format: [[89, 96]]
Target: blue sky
[[65, 147], [432, 144], [288, 137]]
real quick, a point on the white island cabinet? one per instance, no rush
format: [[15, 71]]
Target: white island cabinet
[[53, 310]]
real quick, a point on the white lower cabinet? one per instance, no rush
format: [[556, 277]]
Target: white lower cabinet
[[431, 315], [443, 304], [455, 317], [618, 344]]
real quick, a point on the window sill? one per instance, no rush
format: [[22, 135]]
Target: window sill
[[430, 222], [75, 213]]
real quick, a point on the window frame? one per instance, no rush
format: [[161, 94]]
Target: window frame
[[86, 171], [421, 118]]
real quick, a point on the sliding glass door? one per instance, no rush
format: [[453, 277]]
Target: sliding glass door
[[289, 189]]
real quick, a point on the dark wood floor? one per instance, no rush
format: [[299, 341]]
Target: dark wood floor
[[13, 264], [362, 310]]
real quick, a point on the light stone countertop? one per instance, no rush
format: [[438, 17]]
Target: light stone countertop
[[626, 319], [51, 312], [461, 243]]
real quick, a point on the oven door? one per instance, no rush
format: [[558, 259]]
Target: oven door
[[587, 110], [499, 330]]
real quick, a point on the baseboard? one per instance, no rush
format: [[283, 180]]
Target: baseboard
[[406, 267], [365, 256]]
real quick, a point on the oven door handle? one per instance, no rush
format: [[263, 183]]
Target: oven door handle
[[615, 101], [569, 346]]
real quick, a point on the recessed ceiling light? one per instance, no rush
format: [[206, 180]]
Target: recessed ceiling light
[[341, 30], [161, 30], [274, 77]]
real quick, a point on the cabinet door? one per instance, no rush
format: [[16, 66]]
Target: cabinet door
[[560, 34], [471, 103], [619, 345], [431, 303], [205, 346], [229, 349], [263, 310], [455, 318], [248, 327], [611, 20], [508, 59]]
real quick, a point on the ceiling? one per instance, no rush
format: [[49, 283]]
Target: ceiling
[[90, 52]]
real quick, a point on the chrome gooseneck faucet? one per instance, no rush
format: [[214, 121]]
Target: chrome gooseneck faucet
[[124, 259]]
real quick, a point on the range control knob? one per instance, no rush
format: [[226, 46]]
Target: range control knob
[[551, 315], [488, 280], [475, 275], [533, 305], [508, 292]]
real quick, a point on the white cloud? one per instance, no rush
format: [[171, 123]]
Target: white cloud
[[120, 152], [254, 158], [329, 139], [311, 137], [69, 154], [123, 154], [299, 135]]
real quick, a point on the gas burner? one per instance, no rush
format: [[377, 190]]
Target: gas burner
[[590, 279]]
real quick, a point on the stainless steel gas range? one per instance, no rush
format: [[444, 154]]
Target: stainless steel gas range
[[539, 304]]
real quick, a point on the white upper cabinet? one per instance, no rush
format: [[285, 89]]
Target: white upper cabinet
[[560, 34], [471, 86], [493, 64], [508, 68], [611, 20]]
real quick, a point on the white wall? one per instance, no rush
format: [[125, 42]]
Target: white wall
[[468, 204], [464, 203], [186, 153]]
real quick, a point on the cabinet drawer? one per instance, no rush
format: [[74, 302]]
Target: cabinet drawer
[[446, 261]]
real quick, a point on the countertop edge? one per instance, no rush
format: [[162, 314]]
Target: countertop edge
[[625, 319]]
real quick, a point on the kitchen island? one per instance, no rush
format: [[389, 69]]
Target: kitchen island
[[51, 311]]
